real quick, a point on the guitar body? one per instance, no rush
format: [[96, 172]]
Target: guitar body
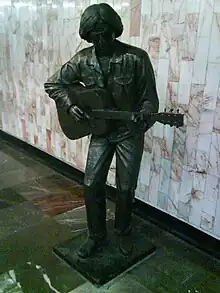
[[75, 130], [87, 100]]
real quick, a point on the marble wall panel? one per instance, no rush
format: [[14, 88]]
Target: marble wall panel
[[180, 169]]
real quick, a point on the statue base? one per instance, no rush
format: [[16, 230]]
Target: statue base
[[108, 263]]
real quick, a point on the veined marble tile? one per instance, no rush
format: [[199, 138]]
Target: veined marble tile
[[205, 18], [214, 157], [135, 41], [206, 122], [168, 7], [180, 10], [148, 141], [186, 185], [207, 222], [196, 208], [173, 196], [214, 55], [193, 6], [190, 146], [203, 149], [141, 192], [156, 155], [126, 19], [216, 126], [146, 35], [174, 61], [165, 174], [146, 7], [158, 128], [153, 188], [144, 175], [212, 86], [195, 105], [211, 195], [184, 210], [185, 82], [165, 35], [200, 62], [217, 6], [217, 218], [162, 79], [136, 18], [162, 201], [156, 9], [167, 142], [199, 184], [172, 95]]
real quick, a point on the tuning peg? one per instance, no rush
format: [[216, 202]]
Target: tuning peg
[[165, 109], [178, 110], [171, 110]]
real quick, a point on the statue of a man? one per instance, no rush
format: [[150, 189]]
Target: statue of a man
[[126, 73]]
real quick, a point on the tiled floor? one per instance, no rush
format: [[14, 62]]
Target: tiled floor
[[40, 208]]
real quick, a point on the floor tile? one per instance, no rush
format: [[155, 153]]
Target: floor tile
[[16, 167], [87, 288], [58, 202], [54, 194], [167, 272], [127, 285], [124, 284], [8, 285], [46, 274], [76, 219], [18, 217], [7, 163], [18, 176], [32, 243], [20, 156], [9, 197]]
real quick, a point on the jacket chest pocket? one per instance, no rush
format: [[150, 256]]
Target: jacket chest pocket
[[123, 83], [123, 88]]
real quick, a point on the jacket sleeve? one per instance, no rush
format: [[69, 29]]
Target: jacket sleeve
[[146, 85], [57, 86]]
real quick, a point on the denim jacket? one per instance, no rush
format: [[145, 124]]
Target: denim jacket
[[131, 79]]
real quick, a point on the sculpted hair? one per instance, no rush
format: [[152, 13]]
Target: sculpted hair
[[96, 13]]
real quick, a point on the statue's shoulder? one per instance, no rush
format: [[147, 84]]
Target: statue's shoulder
[[83, 52], [133, 50]]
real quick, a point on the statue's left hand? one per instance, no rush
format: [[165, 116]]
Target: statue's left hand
[[142, 115]]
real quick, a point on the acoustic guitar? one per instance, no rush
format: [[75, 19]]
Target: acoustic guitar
[[98, 109]]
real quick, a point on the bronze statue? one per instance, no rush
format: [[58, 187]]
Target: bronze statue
[[122, 75]]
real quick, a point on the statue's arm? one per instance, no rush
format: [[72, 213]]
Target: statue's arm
[[146, 85], [57, 86]]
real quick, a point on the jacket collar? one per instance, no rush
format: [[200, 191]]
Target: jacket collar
[[116, 58]]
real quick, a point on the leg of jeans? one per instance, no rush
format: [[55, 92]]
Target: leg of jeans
[[98, 162], [128, 159]]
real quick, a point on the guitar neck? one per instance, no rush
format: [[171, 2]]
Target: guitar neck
[[172, 119], [113, 115]]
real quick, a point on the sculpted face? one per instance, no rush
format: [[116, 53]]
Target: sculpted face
[[102, 37]]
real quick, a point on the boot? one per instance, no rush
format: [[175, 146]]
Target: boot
[[125, 245], [90, 247], [123, 222], [96, 221]]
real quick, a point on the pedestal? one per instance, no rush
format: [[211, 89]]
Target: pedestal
[[108, 263]]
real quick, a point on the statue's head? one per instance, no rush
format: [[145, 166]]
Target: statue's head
[[100, 24]]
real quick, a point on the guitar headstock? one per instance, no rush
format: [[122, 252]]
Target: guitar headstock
[[172, 118]]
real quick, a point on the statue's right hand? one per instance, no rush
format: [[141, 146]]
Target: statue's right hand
[[78, 114]]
